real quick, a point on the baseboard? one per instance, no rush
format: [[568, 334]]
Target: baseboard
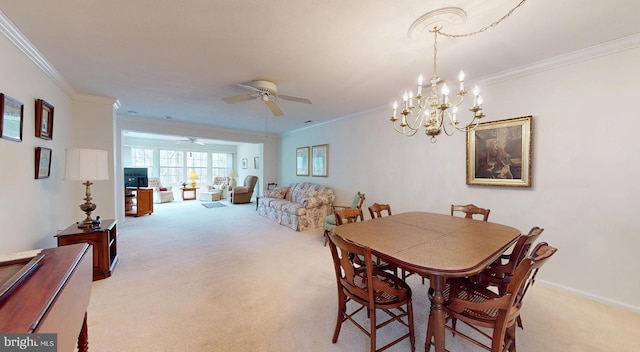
[[590, 296]]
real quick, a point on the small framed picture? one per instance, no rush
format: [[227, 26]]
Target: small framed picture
[[245, 163], [256, 162], [44, 119], [11, 117], [320, 160], [302, 161], [499, 153], [43, 162]]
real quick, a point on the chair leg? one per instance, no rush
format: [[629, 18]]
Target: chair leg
[[342, 308], [372, 328], [412, 333], [326, 237]]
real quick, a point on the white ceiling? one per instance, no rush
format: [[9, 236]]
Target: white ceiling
[[180, 58]]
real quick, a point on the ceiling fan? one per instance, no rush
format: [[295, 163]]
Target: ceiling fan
[[191, 140], [267, 92]]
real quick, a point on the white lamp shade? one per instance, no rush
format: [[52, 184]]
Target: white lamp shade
[[86, 165], [233, 173]]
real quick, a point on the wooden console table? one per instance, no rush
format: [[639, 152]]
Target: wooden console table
[[104, 242], [52, 298]]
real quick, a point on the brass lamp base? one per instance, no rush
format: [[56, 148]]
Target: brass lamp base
[[87, 207]]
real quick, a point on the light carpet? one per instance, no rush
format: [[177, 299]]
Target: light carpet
[[189, 279]]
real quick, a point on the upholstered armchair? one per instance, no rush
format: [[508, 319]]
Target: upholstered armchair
[[242, 194], [160, 194], [220, 184]]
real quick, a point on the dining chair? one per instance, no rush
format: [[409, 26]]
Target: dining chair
[[470, 210], [330, 220], [369, 288], [376, 209], [476, 306], [500, 273]]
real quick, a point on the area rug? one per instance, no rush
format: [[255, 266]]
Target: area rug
[[213, 205]]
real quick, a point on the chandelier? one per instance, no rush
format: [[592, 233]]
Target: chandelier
[[432, 110]]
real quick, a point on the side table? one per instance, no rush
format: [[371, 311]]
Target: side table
[[189, 189], [104, 243]]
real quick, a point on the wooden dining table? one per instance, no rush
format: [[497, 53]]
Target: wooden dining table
[[436, 246]]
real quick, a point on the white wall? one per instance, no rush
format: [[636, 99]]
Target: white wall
[[584, 179], [33, 210]]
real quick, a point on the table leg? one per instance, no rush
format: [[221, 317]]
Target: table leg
[[437, 314], [83, 338]]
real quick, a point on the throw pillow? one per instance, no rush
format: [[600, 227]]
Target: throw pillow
[[162, 189]]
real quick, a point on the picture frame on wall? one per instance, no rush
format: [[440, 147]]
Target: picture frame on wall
[[245, 163], [499, 153], [11, 118], [43, 162], [256, 162], [320, 160], [44, 119], [302, 161]]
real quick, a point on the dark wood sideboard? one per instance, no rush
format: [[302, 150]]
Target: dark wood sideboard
[[52, 298], [104, 241]]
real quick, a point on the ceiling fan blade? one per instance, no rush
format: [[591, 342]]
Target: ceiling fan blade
[[296, 99], [239, 98], [275, 109], [248, 87]]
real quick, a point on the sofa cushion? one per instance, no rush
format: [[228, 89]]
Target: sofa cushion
[[278, 192], [163, 189]]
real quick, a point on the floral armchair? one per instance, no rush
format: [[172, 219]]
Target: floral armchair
[[220, 184]]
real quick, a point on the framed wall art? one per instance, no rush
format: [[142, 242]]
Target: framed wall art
[[245, 163], [256, 162], [43, 162], [11, 114], [499, 153], [320, 158], [44, 119], [302, 161]]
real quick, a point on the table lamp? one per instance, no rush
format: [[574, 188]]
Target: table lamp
[[232, 174], [193, 176], [86, 165]]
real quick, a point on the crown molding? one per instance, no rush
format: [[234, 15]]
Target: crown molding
[[21, 42], [608, 48]]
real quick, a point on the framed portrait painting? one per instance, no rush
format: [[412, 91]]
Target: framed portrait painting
[[302, 161], [44, 119], [245, 163], [43, 162], [320, 160], [11, 114], [499, 153]]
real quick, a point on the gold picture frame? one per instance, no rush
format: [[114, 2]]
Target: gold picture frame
[[499, 153], [302, 161], [44, 119], [320, 160], [11, 117], [43, 162]]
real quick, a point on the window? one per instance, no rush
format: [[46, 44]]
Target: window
[[197, 162], [172, 169], [141, 157], [219, 162]]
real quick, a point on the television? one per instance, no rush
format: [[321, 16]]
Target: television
[[135, 177]]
